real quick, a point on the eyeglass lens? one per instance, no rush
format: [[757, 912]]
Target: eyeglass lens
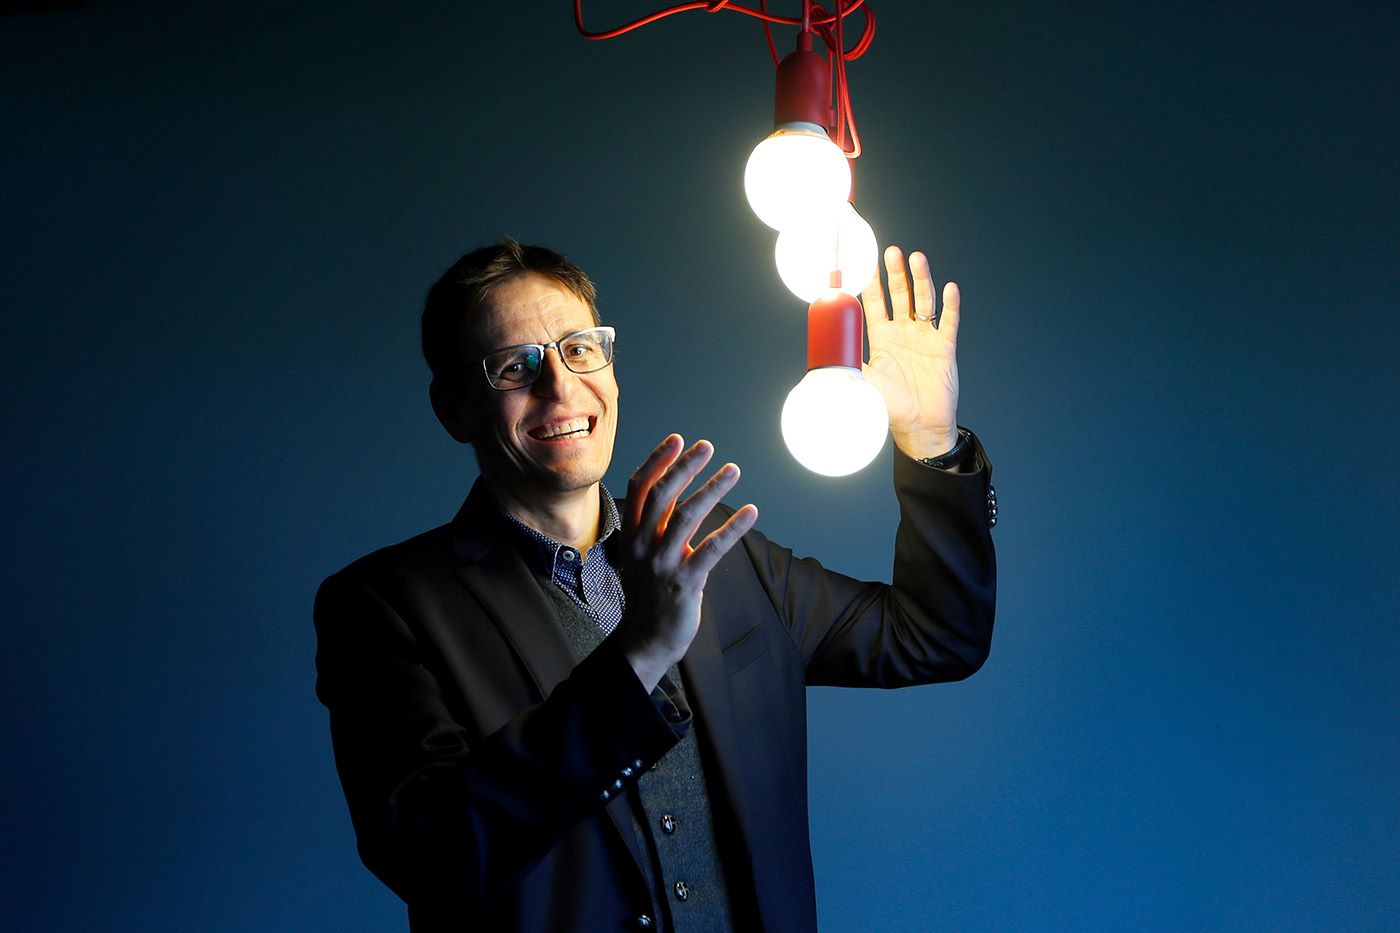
[[584, 352]]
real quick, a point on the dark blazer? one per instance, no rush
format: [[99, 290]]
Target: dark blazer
[[482, 765]]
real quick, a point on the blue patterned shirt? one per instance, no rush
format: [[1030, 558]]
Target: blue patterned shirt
[[592, 581]]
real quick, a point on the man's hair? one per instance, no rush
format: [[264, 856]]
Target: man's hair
[[469, 283]]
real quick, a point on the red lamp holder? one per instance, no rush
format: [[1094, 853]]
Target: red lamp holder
[[804, 87], [835, 331]]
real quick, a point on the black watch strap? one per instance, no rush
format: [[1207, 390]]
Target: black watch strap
[[959, 456]]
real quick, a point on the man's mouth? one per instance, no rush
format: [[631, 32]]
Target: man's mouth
[[572, 429]]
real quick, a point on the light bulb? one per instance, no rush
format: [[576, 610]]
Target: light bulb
[[806, 255], [796, 176], [834, 422]]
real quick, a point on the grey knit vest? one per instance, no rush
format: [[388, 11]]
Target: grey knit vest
[[670, 807]]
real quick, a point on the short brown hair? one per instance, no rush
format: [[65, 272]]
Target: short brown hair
[[467, 284]]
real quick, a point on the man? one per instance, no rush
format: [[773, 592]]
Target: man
[[561, 712]]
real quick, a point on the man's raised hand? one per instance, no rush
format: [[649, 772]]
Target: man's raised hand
[[913, 354]]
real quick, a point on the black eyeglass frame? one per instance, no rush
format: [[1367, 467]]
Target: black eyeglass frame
[[544, 348]]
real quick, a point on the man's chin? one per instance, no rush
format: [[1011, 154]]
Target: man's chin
[[544, 480], [557, 481]]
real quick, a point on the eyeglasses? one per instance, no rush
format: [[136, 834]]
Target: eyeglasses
[[516, 367]]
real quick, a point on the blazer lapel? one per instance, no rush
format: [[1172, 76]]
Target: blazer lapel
[[497, 576], [495, 573]]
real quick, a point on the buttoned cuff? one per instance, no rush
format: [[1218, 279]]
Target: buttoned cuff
[[971, 484], [636, 728]]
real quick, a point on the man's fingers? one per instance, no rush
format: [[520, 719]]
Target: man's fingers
[[662, 527], [951, 317], [661, 497], [924, 308], [872, 300], [899, 284], [718, 542], [646, 475], [686, 519]]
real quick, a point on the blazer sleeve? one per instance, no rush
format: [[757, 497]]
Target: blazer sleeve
[[932, 623], [435, 813]]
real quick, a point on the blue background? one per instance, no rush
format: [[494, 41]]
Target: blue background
[[1176, 231]]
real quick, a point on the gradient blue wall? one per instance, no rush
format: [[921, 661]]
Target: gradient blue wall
[[1176, 231]]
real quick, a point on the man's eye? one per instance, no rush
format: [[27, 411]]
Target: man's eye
[[578, 349], [520, 366]]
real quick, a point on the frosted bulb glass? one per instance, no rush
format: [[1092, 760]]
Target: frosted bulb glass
[[834, 422], [805, 255], [796, 177]]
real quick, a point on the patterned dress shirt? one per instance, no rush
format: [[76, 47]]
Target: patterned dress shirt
[[591, 581]]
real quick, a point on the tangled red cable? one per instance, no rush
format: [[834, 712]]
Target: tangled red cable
[[815, 19]]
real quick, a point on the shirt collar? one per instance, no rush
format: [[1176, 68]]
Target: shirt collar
[[541, 551]]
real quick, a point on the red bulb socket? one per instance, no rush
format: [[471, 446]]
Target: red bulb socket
[[804, 87], [835, 328]]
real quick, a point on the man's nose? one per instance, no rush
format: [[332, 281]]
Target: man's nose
[[555, 380]]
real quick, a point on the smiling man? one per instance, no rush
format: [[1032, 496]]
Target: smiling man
[[543, 450], [538, 722]]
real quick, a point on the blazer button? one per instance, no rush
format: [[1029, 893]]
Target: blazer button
[[644, 922], [668, 823], [682, 890]]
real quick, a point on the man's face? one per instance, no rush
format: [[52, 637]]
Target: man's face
[[556, 434]]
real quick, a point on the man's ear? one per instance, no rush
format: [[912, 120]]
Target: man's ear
[[450, 409]]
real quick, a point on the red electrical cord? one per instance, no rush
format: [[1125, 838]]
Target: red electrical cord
[[709, 6], [814, 19], [768, 34]]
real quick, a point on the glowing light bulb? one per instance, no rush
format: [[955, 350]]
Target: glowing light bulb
[[834, 422], [806, 255], [796, 177]]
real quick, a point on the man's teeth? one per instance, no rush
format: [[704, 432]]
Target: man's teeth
[[562, 428]]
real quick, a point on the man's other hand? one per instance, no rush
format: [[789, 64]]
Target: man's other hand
[[663, 576]]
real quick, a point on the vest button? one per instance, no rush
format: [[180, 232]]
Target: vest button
[[668, 823], [682, 890], [643, 922]]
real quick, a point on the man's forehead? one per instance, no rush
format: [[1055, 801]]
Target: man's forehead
[[529, 308]]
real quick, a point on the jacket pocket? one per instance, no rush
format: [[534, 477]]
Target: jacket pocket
[[744, 650]]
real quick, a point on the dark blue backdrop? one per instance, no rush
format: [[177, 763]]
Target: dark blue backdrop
[[1176, 231]]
